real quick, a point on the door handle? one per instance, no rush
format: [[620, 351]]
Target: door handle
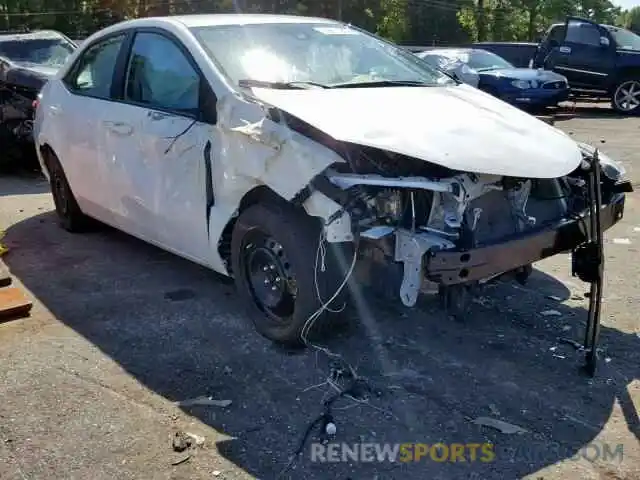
[[119, 128], [565, 49]]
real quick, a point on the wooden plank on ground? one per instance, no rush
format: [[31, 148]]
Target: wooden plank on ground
[[13, 303]]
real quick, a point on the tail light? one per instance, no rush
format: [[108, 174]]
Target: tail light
[[35, 104]]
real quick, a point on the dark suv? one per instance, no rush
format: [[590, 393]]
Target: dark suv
[[598, 60]]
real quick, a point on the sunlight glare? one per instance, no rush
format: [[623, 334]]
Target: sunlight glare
[[260, 64]]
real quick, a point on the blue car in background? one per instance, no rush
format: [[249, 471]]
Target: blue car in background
[[522, 87]]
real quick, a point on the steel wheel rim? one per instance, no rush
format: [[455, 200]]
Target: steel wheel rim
[[269, 277], [627, 96]]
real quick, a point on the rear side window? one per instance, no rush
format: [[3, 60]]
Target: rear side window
[[93, 75], [160, 75]]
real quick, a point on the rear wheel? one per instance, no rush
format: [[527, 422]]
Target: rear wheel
[[626, 97], [274, 250], [70, 216]]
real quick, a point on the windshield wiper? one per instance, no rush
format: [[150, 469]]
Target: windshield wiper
[[383, 83], [299, 85]]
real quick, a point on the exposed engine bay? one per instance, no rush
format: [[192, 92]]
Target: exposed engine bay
[[404, 220]]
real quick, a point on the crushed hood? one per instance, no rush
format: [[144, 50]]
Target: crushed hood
[[458, 127]]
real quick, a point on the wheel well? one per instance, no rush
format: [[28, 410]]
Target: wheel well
[[626, 73], [47, 152], [260, 194]]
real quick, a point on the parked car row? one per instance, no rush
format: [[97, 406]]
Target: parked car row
[[599, 61], [297, 155]]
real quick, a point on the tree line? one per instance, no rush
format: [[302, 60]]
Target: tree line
[[410, 22]]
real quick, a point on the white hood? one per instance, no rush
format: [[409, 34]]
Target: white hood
[[457, 127]]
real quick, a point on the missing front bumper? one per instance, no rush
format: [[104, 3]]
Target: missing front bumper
[[456, 267]]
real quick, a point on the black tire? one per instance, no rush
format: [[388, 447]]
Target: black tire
[[70, 216], [617, 96], [296, 236]]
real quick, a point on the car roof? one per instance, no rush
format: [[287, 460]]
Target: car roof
[[610, 27], [215, 19], [504, 43]]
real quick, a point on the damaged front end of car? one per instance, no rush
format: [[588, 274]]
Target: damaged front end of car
[[424, 228], [19, 88], [452, 202]]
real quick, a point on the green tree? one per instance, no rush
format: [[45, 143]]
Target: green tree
[[630, 19]]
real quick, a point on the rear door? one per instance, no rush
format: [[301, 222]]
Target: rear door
[[85, 101], [587, 55]]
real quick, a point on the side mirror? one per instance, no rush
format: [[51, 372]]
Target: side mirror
[[604, 41]]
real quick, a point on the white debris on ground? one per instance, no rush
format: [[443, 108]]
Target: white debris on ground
[[503, 427], [622, 241]]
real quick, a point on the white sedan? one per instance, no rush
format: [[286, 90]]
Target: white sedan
[[274, 148]]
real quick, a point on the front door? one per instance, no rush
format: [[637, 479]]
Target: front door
[[587, 55], [170, 174]]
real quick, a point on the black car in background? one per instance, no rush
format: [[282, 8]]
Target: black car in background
[[27, 61], [600, 61]]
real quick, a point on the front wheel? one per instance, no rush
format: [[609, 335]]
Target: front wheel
[[626, 97], [274, 250]]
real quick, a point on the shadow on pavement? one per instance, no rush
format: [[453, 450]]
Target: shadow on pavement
[[434, 374]]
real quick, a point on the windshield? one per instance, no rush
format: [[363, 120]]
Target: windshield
[[324, 54], [46, 51], [481, 60], [625, 39]]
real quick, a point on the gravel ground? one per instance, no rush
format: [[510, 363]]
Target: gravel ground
[[121, 331]]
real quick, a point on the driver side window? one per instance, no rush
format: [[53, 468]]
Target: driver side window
[[583, 33], [159, 75]]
